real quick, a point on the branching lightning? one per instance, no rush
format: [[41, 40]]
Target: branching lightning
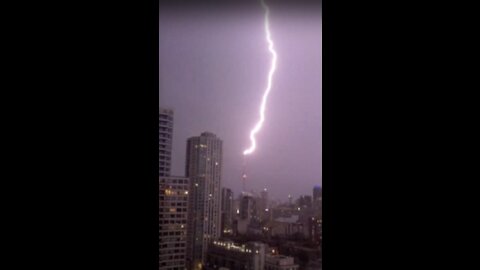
[[273, 66]]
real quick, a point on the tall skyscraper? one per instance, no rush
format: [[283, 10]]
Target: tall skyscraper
[[173, 202], [304, 201], [317, 193], [264, 196], [173, 222], [227, 211], [247, 212], [263, 205], [203, 168], [247, 206], [165, 141]]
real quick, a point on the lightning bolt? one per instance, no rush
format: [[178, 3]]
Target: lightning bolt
[[273, 66]]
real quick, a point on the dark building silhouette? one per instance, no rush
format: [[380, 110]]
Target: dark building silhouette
[[317, 193], [227, 211]]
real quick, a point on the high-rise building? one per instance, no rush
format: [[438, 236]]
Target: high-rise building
[[227, 211], [247, 211], [304, 201], [165, 141], [317, 198], [264, 196], [314, 227], [247, 206], [203, 168], [173, 215], [262, 205], [317, 193]]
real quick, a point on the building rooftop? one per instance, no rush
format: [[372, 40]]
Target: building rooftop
[[208, 134], [279, 259]]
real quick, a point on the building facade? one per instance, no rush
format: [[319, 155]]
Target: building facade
[[165, 141], [227, 212], [279, 262], [203, 168], [317, 193], [285, 227], [227, 254], [173, 215], [247, 212], [304, 201]]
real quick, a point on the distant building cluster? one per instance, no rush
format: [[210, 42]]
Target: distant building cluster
[[204, 226]]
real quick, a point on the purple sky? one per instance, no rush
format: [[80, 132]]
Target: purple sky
[[213, 72]]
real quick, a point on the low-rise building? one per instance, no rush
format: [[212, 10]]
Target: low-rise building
[[228, 255], [279, 262], [284, 227]]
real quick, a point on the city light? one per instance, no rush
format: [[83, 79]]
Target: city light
[[273, 66]]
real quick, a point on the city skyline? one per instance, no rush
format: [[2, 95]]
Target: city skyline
[[195, 211], [212, 74]]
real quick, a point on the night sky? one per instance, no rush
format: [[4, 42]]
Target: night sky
[[213, 72]]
